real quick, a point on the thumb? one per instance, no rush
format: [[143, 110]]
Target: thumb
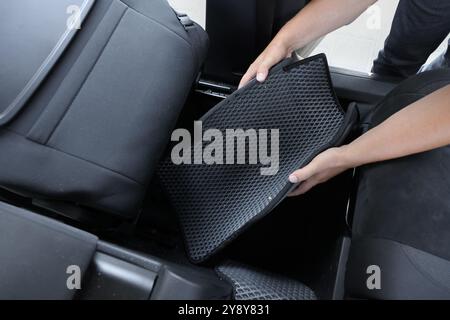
[[302, 174], [261, 76], [263, 70]]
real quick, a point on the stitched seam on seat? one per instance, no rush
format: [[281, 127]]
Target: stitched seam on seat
[[86, 78], [96, 164], [418, 268], [423, 272], [193, 52], [81, 159], [159, 23]]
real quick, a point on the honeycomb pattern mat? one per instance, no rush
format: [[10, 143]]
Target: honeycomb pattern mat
[[215, 203], [252, 284]]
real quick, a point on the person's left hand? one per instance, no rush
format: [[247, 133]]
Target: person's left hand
[[325, 166]]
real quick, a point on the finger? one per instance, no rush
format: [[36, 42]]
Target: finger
[[263, 69], [261, 76], [302, 174]]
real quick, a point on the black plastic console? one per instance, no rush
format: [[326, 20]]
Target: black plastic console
[[45, 259]]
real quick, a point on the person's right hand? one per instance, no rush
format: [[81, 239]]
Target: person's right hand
[[322, 168], [273, 54]]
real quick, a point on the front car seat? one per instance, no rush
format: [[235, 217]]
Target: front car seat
[[402, 213]]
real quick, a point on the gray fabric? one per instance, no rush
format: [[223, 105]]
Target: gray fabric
[[41, 172], [121, 121], [94, 131], [72, 83], [43, 31], [35, 253], [406, 273]]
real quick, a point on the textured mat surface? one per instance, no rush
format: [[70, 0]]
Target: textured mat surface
[[217, 202], [253, 284]]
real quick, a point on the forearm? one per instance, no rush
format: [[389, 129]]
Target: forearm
[[319, 18], [422, 126]]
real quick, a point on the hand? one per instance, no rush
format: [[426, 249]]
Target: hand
[[325, 166], [273, 54]]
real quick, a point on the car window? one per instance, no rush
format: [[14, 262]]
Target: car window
[[196, 9], [356, 45], [352, 47]]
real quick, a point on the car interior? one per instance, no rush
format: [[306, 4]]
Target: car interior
[[124, 235]]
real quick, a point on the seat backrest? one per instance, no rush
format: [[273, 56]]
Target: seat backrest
[[95, 126]]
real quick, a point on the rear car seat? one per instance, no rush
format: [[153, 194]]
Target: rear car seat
[[86, 113], [402, 215]]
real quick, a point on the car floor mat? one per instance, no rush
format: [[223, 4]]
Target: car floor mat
[[253, 284], [215, 203]]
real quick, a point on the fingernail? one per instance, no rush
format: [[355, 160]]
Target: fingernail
[[293, 179], [260, 77]]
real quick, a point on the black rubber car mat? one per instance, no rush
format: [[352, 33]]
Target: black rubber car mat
[[215, 203], [253, 284]]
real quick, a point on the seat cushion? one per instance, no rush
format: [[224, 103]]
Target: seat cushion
[[405, 272], [402, 211]]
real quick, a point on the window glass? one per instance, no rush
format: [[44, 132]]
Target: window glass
[[195, 9], [356, 45]]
